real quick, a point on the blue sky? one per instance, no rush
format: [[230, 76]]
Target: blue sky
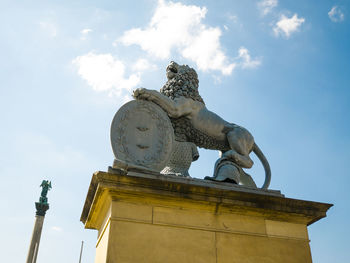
[[278, 68]]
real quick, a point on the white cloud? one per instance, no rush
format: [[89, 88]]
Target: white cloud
[[84, 33], [233, 18], [56, 228], [142, 65], [49, 28], [247, 62], [287, 25], [336, 14], [179, 27], [208, 56], [266, 6], [105, 73]]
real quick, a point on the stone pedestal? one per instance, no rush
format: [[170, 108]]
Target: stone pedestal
[[152, 218]]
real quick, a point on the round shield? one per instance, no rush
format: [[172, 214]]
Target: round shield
[[142, 134]]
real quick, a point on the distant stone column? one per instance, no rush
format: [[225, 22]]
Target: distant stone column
[[41, 207]]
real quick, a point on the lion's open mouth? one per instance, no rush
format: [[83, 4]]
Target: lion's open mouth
[[172, 68], [171, 71]]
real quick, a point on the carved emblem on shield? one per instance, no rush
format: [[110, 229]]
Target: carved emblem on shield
[[142, 135]]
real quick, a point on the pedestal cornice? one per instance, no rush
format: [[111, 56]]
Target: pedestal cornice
[[217, 197]]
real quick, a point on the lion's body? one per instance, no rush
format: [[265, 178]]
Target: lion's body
[[185, 131], [193, 122]]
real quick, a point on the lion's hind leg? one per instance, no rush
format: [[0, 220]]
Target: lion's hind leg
[[239, 159], [241, 143]]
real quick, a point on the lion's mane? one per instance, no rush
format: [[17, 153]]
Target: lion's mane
[[185, 84]]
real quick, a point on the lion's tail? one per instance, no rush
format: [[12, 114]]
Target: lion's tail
[[266, 165]]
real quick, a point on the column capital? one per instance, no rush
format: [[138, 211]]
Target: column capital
[[41, 208]]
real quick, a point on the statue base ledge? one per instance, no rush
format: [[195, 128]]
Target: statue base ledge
[[143, 217], [139, 172]]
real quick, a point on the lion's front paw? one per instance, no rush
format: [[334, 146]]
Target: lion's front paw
[[140, 94]]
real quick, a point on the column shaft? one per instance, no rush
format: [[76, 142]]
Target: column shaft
[[34, 244]]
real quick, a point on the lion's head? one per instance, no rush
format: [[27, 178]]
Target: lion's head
[[182, 82]]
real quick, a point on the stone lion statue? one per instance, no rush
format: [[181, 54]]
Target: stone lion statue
[[194, 123]]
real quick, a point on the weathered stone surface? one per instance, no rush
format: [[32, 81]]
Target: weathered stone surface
[[221, 196], [155, 218], [142, 135]]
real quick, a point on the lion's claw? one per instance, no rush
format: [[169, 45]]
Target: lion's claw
[[137, 94]]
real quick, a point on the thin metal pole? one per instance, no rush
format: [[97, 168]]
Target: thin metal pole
[[81, 250]]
